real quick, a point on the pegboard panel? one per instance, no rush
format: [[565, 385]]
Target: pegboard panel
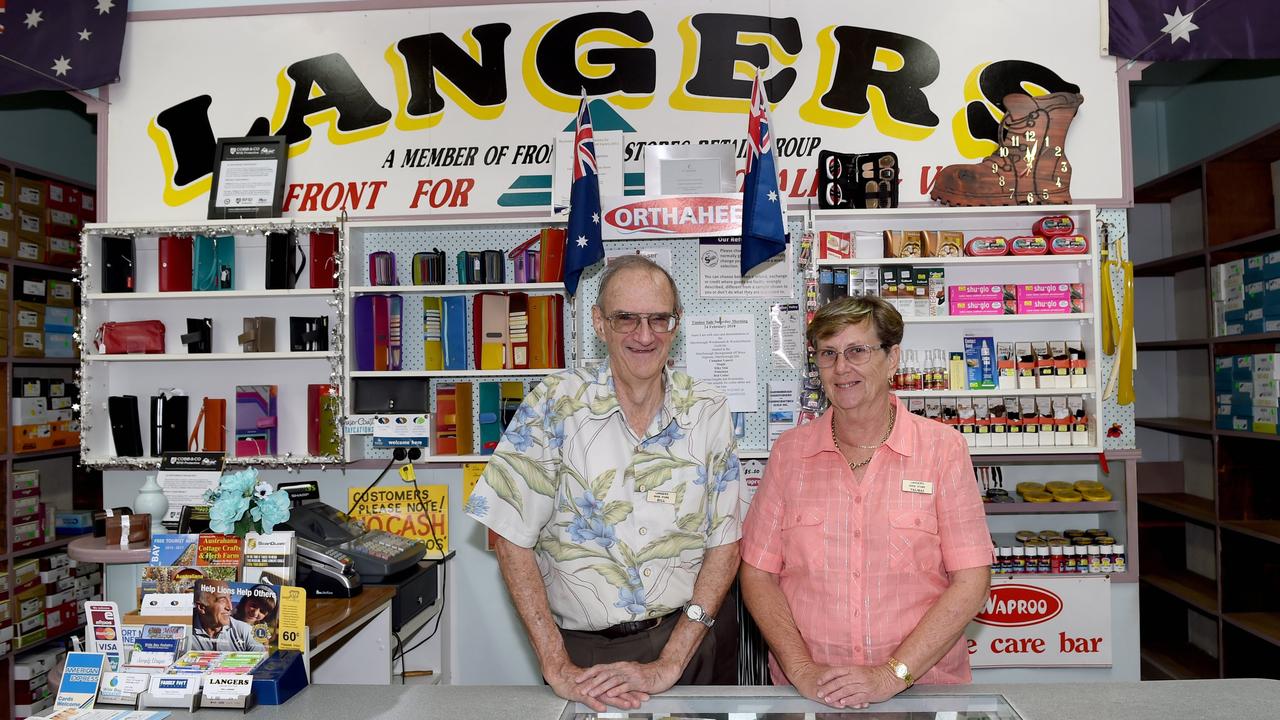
[[1115, 421]]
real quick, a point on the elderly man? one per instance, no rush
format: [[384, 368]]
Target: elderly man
[[615, 495], [214, 627]]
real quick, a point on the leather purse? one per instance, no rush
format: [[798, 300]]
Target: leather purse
[[259, 334], [168, 423], [309, 334], [175, 263], [199, 336], [324, 264], [139, 337], [428, 267], [124, 530], [117, 264], [122, 412], [382, 268], [257, 424], [213, 418], [285, 261], [214, 267], [323, 408]]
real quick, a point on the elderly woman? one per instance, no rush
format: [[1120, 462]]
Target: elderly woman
[[866, 551]]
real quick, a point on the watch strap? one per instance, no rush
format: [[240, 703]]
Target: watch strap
[[902, 672]]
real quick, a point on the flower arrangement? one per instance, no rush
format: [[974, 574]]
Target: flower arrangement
[[242, 504]]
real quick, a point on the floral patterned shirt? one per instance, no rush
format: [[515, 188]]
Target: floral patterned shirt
[[618, 523]]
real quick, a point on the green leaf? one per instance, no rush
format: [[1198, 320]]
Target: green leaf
[[680, 495], [603, 405], [600, 486], [720, 520], [615, 575], [627, 553], [499, 478], [649, 480], [532, 472], [616, 511], [562, 552], [567, 406], [692, 522], [671, 545], [681, 381]]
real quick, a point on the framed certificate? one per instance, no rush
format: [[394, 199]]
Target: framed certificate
[[248, 178]]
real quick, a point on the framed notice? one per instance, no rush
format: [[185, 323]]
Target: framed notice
[[248, 177]]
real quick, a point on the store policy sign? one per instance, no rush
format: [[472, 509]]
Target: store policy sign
[[434, 110], [1038, 622]]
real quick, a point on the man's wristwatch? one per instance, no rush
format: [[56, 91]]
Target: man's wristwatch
[[697, 614], [900, 671]]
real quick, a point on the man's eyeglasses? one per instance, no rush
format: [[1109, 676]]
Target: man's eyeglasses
[[626, 322], [854, 354]]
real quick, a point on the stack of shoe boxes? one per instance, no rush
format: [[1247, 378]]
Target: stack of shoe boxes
[[49, 596], [8, 213], [6, 613], [42, 414], [1247, 391], [32, 691], [44, 313], [1246, 295], [28, 512]]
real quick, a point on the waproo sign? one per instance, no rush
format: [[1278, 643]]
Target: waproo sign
[[1045, 621]]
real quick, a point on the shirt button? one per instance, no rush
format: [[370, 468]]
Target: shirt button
[[857, 500], [648, 572], [644, 531], [857, 533], [917, 521], [855, 574]]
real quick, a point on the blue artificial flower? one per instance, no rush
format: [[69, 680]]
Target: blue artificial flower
[[261, 490], [631, 599], [239, 483], [271, 510], [520, 437], [476, 506], [666, 438], [210, 497], [588, 504], [224, 513]]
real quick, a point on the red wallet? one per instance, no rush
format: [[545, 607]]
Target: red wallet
[[140, 337], [175, 263], [324, 246]]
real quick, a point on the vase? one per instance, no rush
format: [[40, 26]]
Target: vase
[[151, 500]]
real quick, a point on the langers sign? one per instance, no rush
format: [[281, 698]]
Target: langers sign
[[1048, 621], [453, 110]]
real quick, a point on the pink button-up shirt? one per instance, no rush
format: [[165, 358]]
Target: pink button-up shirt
[[861, 562]]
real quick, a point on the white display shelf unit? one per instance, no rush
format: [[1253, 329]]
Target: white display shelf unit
[[214, 374], [1021, 392], [525, 373], [957, 261], [544, 288]]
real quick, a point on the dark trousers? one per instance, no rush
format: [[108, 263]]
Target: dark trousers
[[714, 663]]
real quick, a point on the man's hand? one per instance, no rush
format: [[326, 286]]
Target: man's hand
[[858, 686], [563, 680], [640, 680], [806, 679]]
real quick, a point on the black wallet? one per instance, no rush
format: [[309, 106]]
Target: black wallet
[[168, 423], [495, 266], [126, 433], [390, 395], [309, 334], [199, 336], [117, 264], [285, 261]]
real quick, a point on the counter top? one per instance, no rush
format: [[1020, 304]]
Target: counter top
[[1235, 699]]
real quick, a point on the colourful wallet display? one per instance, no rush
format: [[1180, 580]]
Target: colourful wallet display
[[257, 423]]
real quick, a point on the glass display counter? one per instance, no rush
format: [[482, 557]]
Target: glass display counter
[[724, 707]]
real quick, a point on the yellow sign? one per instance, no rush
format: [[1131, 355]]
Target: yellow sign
[[419, 514], [293, 618], [471, 473]]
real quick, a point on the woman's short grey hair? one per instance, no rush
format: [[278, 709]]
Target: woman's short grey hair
[[634, 262]]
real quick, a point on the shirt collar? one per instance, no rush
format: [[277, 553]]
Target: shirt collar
[[817, 437], [601, 385]]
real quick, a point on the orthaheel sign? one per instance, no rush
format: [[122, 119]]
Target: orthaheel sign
[[1036, 622]]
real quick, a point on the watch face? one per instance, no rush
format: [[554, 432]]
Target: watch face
[[694, 612]]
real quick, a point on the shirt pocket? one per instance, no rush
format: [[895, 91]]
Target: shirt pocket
[[914, 543], [802, 534]]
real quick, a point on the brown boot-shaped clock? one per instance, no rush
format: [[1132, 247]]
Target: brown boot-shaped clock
[[1030, 165]]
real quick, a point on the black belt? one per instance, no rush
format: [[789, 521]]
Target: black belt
[[627, 629]]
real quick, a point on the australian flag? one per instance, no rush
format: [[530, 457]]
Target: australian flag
[[763, 232], [1166, 30], [583, 246], [60, 45]]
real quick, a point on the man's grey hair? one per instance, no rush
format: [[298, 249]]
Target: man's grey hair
[[634, 262]]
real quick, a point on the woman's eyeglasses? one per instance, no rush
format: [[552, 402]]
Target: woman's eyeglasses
[[854, 354], [626, 322]]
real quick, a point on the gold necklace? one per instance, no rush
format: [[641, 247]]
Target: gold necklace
[[893, 416]]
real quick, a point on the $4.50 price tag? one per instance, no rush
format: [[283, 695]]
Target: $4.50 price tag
[[293, 618]]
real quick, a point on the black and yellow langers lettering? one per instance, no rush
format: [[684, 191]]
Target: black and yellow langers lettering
[[556, 70], [474, 77], [325, 89], [865, 70], [977, 126], [721, 53], [185, 142]]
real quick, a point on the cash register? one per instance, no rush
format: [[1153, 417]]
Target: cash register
[[337, 555]]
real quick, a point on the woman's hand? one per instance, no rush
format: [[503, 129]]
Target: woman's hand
[[858, 686]]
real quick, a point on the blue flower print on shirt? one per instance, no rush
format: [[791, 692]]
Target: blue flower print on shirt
[[476, 506], [524, 413], [631, 599], [666, 438], [584, 530], [702, 476], [555, 438], [633, 577], [588, 504], [729, 475], [520, 437]]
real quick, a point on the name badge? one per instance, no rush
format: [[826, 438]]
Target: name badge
[[920, 487], [667, 497]]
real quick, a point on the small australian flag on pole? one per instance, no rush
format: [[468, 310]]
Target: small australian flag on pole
[[764, 234], [583, 246]]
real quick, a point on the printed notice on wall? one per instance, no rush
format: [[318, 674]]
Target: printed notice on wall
[[721, 350], [720, 272], [786, 337]]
